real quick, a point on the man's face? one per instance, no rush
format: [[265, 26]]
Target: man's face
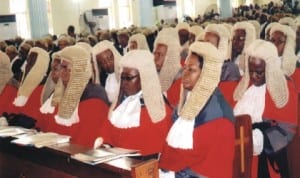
[[123, 40], [55, 70], [30, 61], [65, 71], [183, 36], [130, 81], [257, 68], [105, 61], [212, 38], [133, 45], [278, 39], [238, 41], [159, 56]]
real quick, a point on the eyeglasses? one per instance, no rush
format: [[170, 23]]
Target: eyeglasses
[[128, 78]]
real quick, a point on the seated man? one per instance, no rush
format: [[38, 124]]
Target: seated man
[[139, 119], [271, 101]]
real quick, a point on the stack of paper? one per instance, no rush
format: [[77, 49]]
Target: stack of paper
[[101, 155], [42, 139], [11, 131]]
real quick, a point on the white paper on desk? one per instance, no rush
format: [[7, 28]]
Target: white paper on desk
[[40, 140], [10, 131], [100, 155]]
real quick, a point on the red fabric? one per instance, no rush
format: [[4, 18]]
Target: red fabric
[[227, 88], [296, 78], [212, 153], [7, 97], [32, 106], [173, 92], [91, 113], [148, 137], [286, 114]]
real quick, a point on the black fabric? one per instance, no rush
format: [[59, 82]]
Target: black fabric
[[277, 158], [19, 120], [103, 76], [94, 91], [230, 71]]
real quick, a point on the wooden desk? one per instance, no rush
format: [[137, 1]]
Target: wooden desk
[[55, 162]]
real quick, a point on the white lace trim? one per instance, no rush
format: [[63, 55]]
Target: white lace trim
[[127, 114], [112, 87], [168, 174], [20, 101], [252, 103], [258, 142], [47, 108], [181, 134], [68, 121]]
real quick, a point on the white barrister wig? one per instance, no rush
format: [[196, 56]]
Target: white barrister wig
[[275, 79]]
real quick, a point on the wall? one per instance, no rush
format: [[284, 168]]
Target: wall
[[4, 7], [67, 12], [200, 6]]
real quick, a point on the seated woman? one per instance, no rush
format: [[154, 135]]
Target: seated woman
[[71, 114], [201, 140], [139, 119], [271, 101]]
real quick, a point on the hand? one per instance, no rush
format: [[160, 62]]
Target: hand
[[98, 142]]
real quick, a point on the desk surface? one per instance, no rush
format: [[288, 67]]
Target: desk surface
[[14, 159]]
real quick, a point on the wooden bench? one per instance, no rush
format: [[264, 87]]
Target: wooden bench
[[55, 161], [243, 147]]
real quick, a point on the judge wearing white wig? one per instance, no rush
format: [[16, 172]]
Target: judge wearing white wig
[[284, 38], [35, 71], [219, 36], [139, 118], [74, 115], [271, 101], [167, 62], [201, 139], [138, 41], [106, 65], [27, 100], [243, 35]]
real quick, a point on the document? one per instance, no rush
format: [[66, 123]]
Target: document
[[40, 140], [100, 155], [12, 131]]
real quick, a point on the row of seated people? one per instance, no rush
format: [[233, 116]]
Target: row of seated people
[[137, 115]]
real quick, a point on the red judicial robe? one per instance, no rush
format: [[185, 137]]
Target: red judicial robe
[[148, 137], [7, 97], [91, 113], [296, 78], [287, 114], [31, 108], [213, 145], [173, 93]]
